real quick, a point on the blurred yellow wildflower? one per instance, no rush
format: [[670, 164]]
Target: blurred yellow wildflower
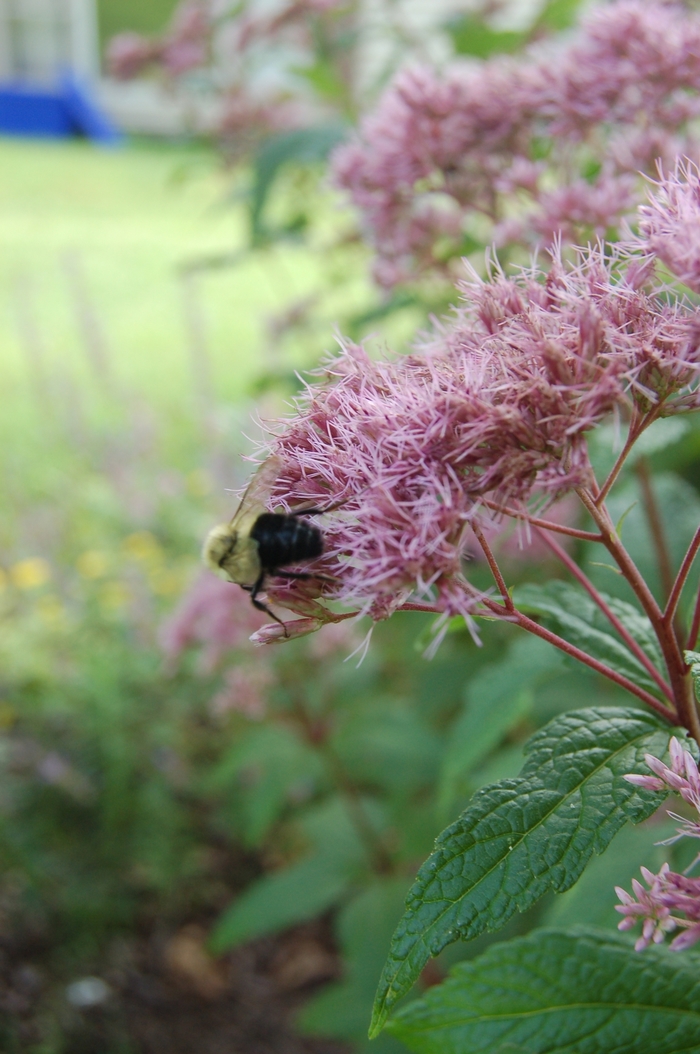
[[164, 582], [51, 610], [142, 545], [199, 483], [30, 573], [113, 597], [92, 564]]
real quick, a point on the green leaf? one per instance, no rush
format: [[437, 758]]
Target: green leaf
[[273, 761], [301, 146], [558, 14], [301, 891], [591, 902], [471, 36], [364, 929], [521, 838], [569, 611], [693, 660], [576, 992], [496, 699], [323, 77]]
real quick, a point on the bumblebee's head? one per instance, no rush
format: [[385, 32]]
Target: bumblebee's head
[[220, 543]]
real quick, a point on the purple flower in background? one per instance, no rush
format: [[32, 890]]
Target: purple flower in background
[[213, 614], [444, 154]]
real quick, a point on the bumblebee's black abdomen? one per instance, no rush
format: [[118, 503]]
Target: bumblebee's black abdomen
[[285, 540]]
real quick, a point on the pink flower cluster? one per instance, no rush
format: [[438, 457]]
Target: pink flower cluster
[[246, 58], [214, 615], [548, 145], [672, 901], [496, 406], [183, 47]]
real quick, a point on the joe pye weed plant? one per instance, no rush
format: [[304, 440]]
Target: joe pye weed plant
[[428, 458], [497, 424]]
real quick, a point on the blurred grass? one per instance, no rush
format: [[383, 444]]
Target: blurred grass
[[130, 218]]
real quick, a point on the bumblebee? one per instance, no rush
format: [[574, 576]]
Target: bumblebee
[[257, 544]]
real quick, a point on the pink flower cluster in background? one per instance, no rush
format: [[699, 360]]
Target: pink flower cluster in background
[[247, 59], [496, 407], [183, 47], [214, 616], [671, 901], [543, 146]]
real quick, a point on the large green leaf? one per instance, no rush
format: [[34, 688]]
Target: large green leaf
[[577, 992], [473, 36], [569, 611], [260, 772], [364, 929], [300, 146], [497, 698], [520, 838], [303, 890], [558, 14]]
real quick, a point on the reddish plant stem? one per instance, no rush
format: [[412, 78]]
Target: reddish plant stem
[[681, 577], [612, 543], [673, 656], [548, 525], [658, 534], [612, 618], [429, 608], [637, 426], [493, 565], [576, 653], [509, 611]]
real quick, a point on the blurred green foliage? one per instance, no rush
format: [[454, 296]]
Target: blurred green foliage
[[119, 16], [129, 796]]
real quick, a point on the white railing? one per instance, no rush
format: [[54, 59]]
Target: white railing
[[39, 39]]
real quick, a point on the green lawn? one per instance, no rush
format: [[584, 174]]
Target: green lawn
[[130, 217]]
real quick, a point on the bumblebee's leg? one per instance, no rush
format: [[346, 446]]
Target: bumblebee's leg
[[316, 511], [258, 604], [304, 576]]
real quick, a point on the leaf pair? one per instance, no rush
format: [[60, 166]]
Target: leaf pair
[[521, 838]]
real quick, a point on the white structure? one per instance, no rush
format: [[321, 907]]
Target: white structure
[[39, 39]]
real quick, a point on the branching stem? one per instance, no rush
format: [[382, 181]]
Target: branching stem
[[493, 565], [656, 527], [531, 626], [673, 656], [548, 525], [637, 426], [681, 577], [612, 618]]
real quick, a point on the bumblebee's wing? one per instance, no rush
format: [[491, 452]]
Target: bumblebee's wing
[[254, 501]]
